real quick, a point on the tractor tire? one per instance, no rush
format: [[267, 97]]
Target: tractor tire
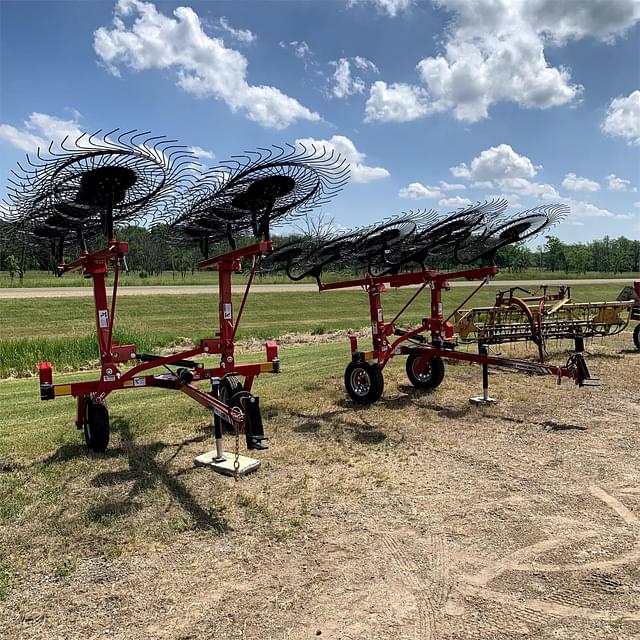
[[96, 426], [427, 374], [636, 336], [364, 382]]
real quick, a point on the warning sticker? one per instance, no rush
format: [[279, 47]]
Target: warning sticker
[[227, 311], [103, 318], [139, 382]]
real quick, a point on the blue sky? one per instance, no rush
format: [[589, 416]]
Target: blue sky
[[436, 104]]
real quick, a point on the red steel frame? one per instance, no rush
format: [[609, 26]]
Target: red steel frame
[[95, 265], [442, 336]]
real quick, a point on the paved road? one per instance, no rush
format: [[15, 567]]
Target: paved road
[[78, 292]]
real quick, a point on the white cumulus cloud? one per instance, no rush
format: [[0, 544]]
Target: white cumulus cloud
[[299, 47], [202, 153], [524, 187], [482, 184], [581, 209], [572, 182], [390, 7], [344, 83], [619, 184], [455, 202], [204, 66], [241, 35], [40, 129], [496, 163], [398, 102], [360, 172], [575, 19], [623, 118], [495, 51], [447, 186], [418, 191]]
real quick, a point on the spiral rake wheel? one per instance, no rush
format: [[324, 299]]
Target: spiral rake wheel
[[252, 192], [416, 238], [381, 247], [88, 186], [502, 233]]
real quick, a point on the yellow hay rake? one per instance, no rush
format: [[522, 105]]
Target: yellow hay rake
[[537, 316]]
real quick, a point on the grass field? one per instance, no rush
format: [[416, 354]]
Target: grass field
[[45, 279], [60, 330], [419, 517]]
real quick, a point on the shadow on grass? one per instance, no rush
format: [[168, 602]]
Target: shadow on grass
[[547, 425], [552, 425], [146, 472], [8, 466], [610, 356], [366, 433]]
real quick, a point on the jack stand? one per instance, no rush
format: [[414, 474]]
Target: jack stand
[[484, 399], [219, 460]]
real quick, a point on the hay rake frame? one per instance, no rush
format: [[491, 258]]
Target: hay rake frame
[[544, 314], [432, 341], [239, 408], [97, 183]]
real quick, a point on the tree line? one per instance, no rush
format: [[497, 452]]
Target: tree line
[[150, 253]]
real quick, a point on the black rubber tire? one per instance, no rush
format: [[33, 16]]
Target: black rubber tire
[[96, 427], [364, 382], [430, 377], [229, 386], [636, 336]]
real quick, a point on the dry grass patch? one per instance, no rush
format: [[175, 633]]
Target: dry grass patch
[[418, 517]]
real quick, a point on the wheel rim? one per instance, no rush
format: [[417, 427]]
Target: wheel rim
[[426, 374], [360, 382]]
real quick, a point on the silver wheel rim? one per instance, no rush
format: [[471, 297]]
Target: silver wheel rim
[[424, 375], [360, 381]]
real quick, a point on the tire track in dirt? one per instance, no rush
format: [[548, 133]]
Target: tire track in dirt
[[562, 604], [429, 598]]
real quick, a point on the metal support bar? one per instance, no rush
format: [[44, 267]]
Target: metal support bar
[[484, 399]]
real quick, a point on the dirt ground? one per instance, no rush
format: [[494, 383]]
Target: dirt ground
[[181, 290], [421, 517]]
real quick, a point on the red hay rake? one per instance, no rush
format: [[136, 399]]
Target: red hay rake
[[234, 402], [384, 251], [429, 343], [85, 190]]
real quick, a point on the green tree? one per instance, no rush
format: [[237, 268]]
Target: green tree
[[11, 262], [555, 254]]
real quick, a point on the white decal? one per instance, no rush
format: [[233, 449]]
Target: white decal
[[227, 311], [139, 382], [379, 315], [103, 318]]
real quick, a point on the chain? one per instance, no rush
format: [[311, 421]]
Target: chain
[[236, 459]]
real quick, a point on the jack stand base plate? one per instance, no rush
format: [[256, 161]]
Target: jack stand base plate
[[482, 401], [247, 465]]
